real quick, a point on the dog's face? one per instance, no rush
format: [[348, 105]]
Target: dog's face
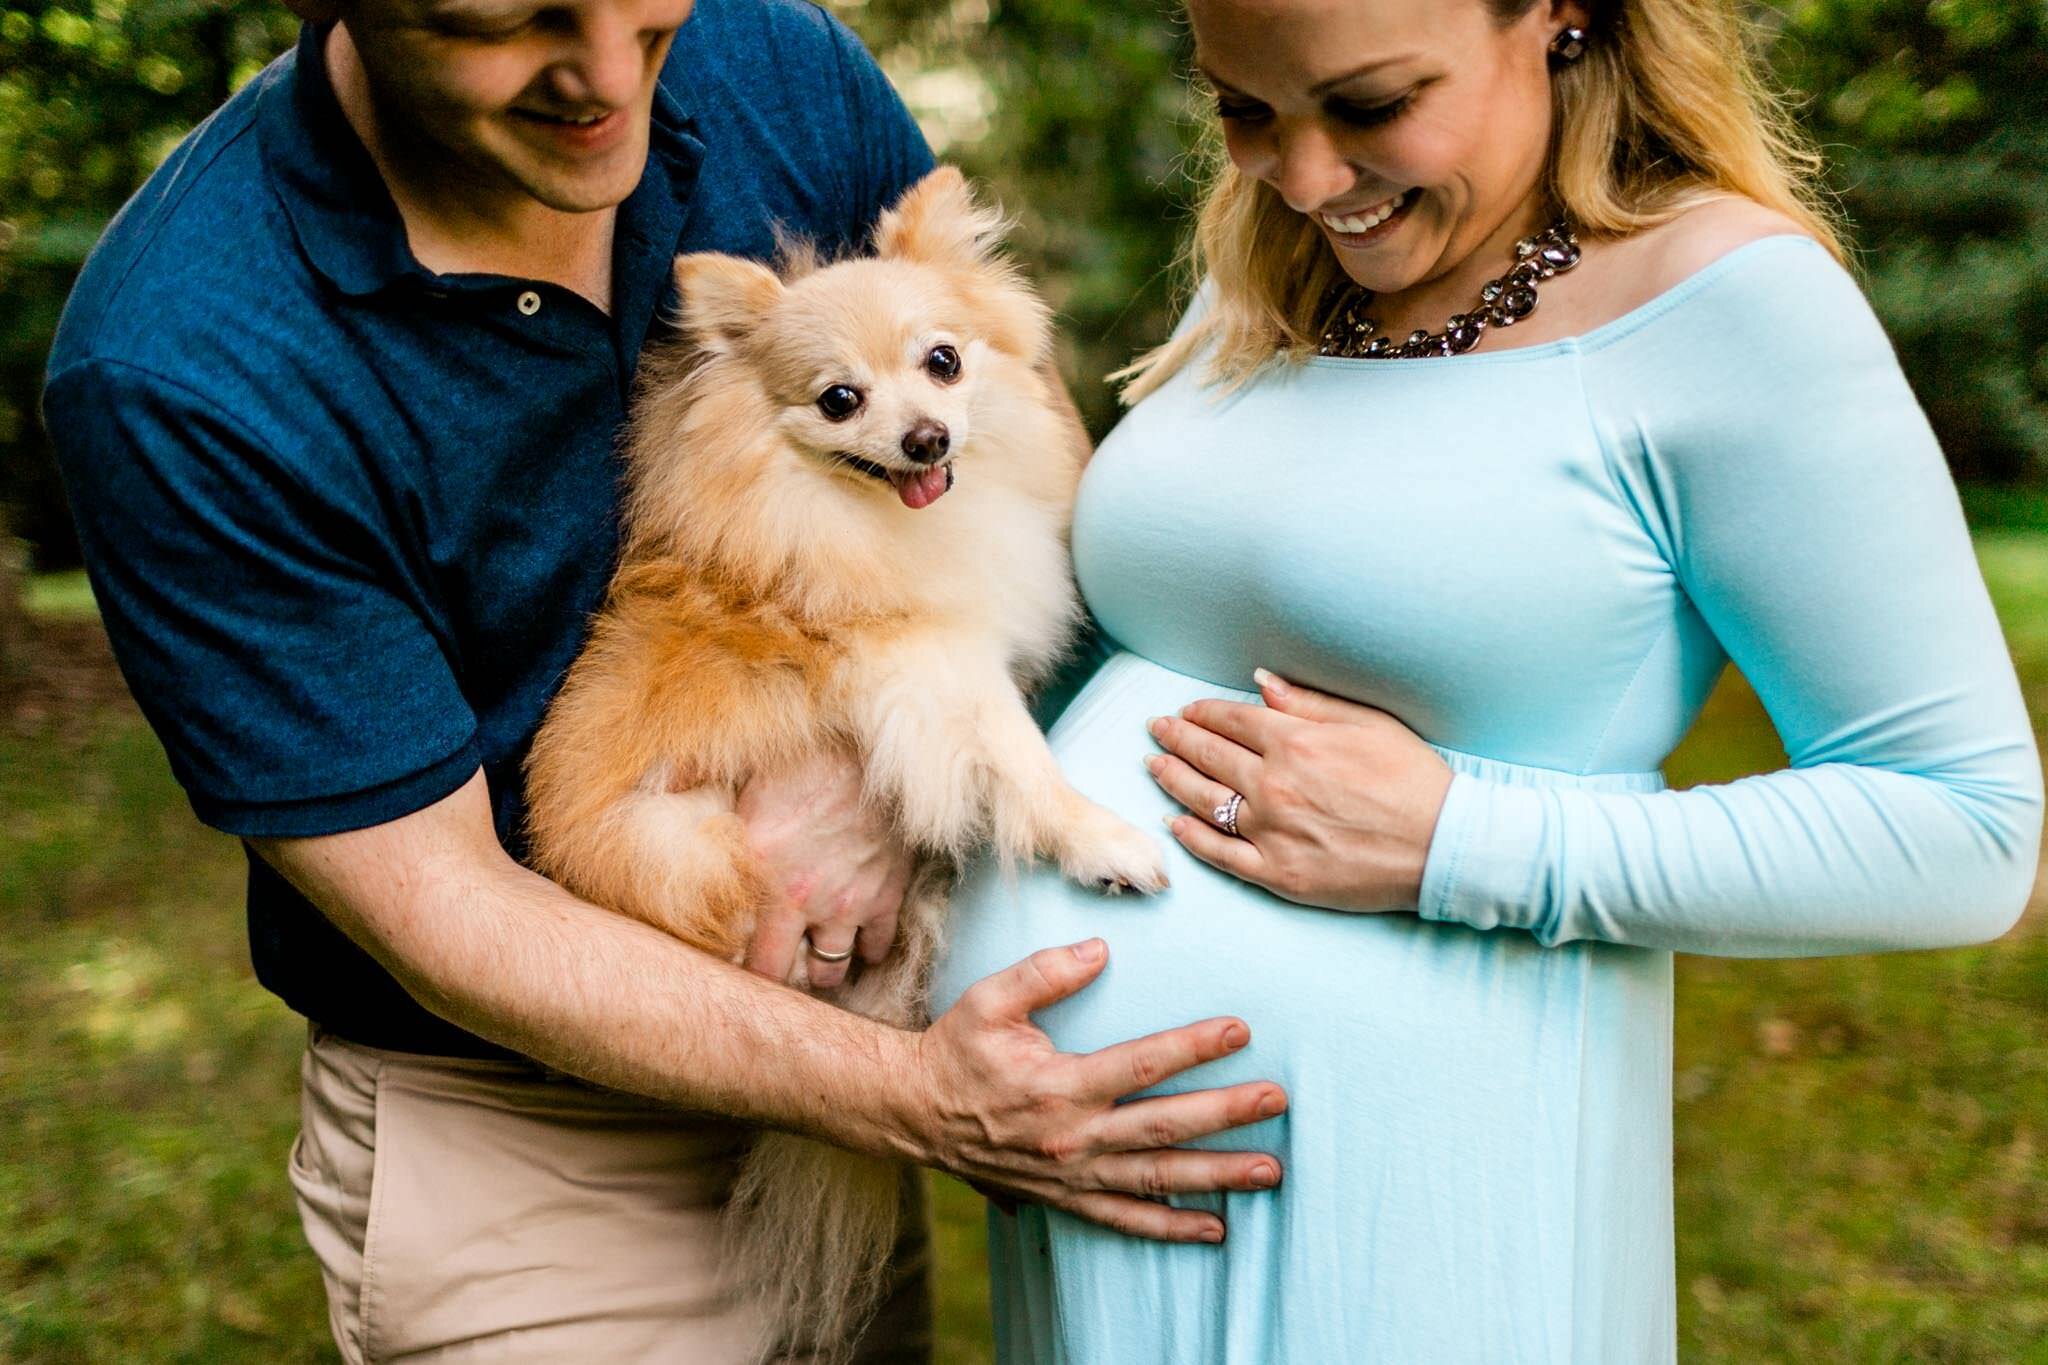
[[880, 384], [881, 371]]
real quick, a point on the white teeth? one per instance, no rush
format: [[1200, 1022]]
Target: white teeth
[[1367, 221]]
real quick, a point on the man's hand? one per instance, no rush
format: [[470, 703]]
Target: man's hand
[[503, 952], [837, 861], [1011, 1114]]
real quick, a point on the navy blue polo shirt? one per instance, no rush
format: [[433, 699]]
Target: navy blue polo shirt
[[347, 518]]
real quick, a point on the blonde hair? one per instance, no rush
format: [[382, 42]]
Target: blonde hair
[[1668, 106]]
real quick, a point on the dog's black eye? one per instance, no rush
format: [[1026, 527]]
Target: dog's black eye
[[839, 402], [943, 363]]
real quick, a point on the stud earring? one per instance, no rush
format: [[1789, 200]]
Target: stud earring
[[1569, 45]]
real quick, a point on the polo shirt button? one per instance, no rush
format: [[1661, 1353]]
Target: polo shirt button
[[529, 303]]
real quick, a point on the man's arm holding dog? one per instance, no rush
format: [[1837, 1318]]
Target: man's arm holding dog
[[508, 955]]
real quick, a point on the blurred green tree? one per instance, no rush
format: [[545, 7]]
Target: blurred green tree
[[1077, 115], [1935, 120], [93, 94], [1080, 118]]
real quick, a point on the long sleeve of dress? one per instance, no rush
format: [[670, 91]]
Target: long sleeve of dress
[[1776, 456]]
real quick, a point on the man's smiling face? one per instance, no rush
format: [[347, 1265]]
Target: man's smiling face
[[549, 98]]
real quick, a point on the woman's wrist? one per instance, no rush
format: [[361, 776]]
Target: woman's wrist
[[1423, 838]]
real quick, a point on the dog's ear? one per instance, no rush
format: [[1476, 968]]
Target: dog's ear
[[937, 221], [723, 297]]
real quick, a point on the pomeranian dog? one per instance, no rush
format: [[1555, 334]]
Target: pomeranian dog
[[846, 525]]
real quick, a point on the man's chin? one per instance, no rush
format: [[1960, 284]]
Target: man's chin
[[581, 194], [568, 187]]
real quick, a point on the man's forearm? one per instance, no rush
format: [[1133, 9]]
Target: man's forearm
[[984, 1093], [512, 957]]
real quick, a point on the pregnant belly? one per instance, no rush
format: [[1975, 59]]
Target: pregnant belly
[[1477, 1145], [1444, 1033]]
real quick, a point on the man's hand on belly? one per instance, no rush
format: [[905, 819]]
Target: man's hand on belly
[[1013, 1114]]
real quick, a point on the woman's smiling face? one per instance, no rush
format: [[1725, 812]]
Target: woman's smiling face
[[1411, 132]]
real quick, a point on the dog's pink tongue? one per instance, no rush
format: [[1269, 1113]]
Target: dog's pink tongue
[[922, 490]]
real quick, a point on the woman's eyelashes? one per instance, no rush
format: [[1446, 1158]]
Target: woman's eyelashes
[[1371, 115], [1356, 114]]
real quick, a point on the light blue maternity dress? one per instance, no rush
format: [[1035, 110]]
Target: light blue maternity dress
[[1539, 559]]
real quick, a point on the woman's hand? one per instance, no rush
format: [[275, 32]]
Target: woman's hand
[[837, 860], [1340, 800]]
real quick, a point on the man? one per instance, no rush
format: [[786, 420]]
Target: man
[[336, 401]]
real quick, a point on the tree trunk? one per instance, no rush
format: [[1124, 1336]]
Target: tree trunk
[[13, 612]]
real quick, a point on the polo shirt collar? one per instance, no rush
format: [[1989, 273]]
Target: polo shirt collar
[[345, 219]]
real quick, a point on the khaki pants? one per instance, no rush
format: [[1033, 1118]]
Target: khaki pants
[[492, 1211]]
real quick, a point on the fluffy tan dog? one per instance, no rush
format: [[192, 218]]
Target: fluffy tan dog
[[846, 526]]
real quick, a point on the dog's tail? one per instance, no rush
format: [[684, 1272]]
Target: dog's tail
[[812, 1228]]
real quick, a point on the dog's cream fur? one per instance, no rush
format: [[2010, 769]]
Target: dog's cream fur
[[774, 600]]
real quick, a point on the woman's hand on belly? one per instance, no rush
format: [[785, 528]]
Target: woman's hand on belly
[[1340, 800]]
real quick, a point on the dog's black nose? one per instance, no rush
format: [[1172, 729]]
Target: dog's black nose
[[927, 442]]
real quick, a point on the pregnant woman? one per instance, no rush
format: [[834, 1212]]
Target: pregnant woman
[[1634, 421]]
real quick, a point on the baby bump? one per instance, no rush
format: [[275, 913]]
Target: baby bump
[[1442, 1033], [1472, 1117]]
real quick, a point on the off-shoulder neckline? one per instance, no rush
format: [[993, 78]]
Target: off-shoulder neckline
[[1607, 333]]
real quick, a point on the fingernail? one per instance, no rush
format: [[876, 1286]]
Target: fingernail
[[1268, 680], [1272, 1106], [1152, 762], [1157, 725], [1212, 1235], [1237, 1035], [1265, 1177], [1168, 821], [1091, 951]]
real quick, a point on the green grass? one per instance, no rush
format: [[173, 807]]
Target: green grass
[[1859, 1140], [62, 596], [2006, 507], [143, 1210]]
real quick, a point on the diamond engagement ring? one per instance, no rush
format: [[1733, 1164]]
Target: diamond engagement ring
[[823, 956], [1225, 815]]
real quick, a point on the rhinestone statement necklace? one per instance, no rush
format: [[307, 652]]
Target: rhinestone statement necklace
[[1502, 303]]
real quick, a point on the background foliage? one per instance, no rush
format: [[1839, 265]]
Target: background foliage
[[1935, 118], [1859, 1140], [1077, 113], [93, 94]]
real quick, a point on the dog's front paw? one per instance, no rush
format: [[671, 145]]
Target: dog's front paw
[[1109, 854]]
